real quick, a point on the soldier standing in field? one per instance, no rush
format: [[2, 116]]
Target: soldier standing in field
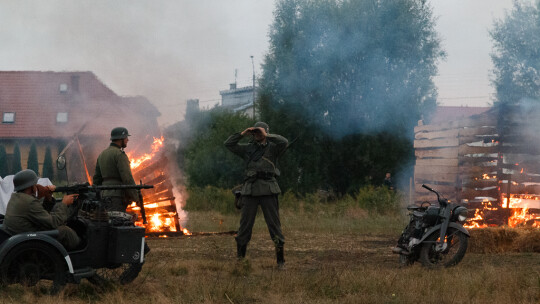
[[113, 168], [260, 187]]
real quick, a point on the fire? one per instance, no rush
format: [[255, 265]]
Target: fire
[[520, 213], [159, 214], [156, 145]]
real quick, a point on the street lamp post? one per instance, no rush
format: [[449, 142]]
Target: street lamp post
[[253, 66]]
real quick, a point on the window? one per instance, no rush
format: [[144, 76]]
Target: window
[[61, 117], [9, 117], [63, 88]]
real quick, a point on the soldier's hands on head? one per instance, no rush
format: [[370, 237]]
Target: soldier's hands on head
[[69, 199]]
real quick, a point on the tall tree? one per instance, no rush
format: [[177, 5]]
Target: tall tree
[[48, 171], [16, 165], [516, 54], [32, 162], [337, 69], [4, 169]]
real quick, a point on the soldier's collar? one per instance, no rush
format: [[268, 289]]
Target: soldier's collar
[[115, 145]]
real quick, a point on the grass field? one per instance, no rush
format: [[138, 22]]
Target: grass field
[[330, 259]]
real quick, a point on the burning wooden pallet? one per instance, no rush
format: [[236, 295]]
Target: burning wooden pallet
[[159, 202], [484, 161]]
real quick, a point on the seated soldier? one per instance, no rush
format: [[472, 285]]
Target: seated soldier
[[25, 213]]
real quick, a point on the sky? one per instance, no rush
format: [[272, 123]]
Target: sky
[[172, 51]]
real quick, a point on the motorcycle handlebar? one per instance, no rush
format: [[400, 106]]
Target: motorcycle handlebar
[[424, 186]]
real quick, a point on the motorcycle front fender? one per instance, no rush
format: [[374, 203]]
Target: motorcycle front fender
[[438, 227]]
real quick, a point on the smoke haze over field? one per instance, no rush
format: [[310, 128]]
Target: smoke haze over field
[[170, 51]]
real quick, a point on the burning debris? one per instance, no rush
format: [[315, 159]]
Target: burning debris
[[487, 162], [160, 203]]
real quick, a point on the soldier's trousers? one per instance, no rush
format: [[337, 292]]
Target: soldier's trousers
[[270, 208], [117, 204], [68, 237]]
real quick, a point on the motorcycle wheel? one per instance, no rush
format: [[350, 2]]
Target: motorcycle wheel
[[457, 246], [405, 260], [121, 274], [28, 263]]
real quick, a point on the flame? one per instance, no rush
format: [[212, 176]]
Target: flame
[[158, 220], [520, 214], [156, 145], [186, 232]]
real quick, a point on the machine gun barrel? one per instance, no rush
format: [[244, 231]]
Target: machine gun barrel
[[87, 187]]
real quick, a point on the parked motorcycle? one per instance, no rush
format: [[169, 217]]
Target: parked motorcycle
[[434, 235]]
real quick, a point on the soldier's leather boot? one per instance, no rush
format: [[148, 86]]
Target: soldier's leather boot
[[280, 257], [241, 251]]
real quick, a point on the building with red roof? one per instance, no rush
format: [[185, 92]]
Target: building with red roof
[[49, 108]]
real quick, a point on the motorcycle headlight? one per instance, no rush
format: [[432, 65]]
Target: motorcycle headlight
[[460, 214]]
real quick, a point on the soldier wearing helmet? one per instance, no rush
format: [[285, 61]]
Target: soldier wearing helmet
[[25, 212], [113, 168], [260, 187]]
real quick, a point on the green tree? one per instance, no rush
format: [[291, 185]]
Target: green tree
[[202, 155], [4, 169], [516, 54], [32, 162], [345, 77], [16, 165], [48, 171]]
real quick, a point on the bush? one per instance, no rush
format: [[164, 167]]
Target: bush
[[32, 162], [48, 171], [16, 165], [4, 169], [210, 198]]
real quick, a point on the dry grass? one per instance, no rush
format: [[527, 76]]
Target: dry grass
[[504, 239], [329, 260]]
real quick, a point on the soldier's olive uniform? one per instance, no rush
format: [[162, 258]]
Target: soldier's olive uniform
[[25, 213], [113, 168], [260, 187]]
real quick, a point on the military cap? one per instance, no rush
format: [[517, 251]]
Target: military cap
[[24, 179], [119, 133], [263, 125]]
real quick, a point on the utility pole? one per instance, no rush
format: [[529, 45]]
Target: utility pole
[[253, 66]]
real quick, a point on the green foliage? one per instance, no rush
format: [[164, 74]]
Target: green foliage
[[375, 200], [16, 165], [349, 79], [4, 168], [516, 40], [203, 156], [210, 198], [32, 162], [48, 171]]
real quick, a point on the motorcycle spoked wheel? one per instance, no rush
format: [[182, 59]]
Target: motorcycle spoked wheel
[[31, 262], [122, 274], [457, 246], [407, 260]]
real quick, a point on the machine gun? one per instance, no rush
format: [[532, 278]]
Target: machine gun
[[86, 187]]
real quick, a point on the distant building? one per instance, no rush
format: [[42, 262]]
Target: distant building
[[49, 108], [238, 99]]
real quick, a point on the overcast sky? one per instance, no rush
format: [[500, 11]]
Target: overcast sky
[[170, 51]]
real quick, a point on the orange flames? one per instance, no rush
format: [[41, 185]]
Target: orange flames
[[156, 145], [520, 214], [158, 219]]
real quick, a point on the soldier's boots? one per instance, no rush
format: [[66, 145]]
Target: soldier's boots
[[280, 257], [241, 251]]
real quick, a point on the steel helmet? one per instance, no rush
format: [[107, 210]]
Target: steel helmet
[[24, 179], [119, 133], [263, 125]]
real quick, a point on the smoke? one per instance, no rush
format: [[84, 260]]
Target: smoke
[[167, 51], [355, 67]]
